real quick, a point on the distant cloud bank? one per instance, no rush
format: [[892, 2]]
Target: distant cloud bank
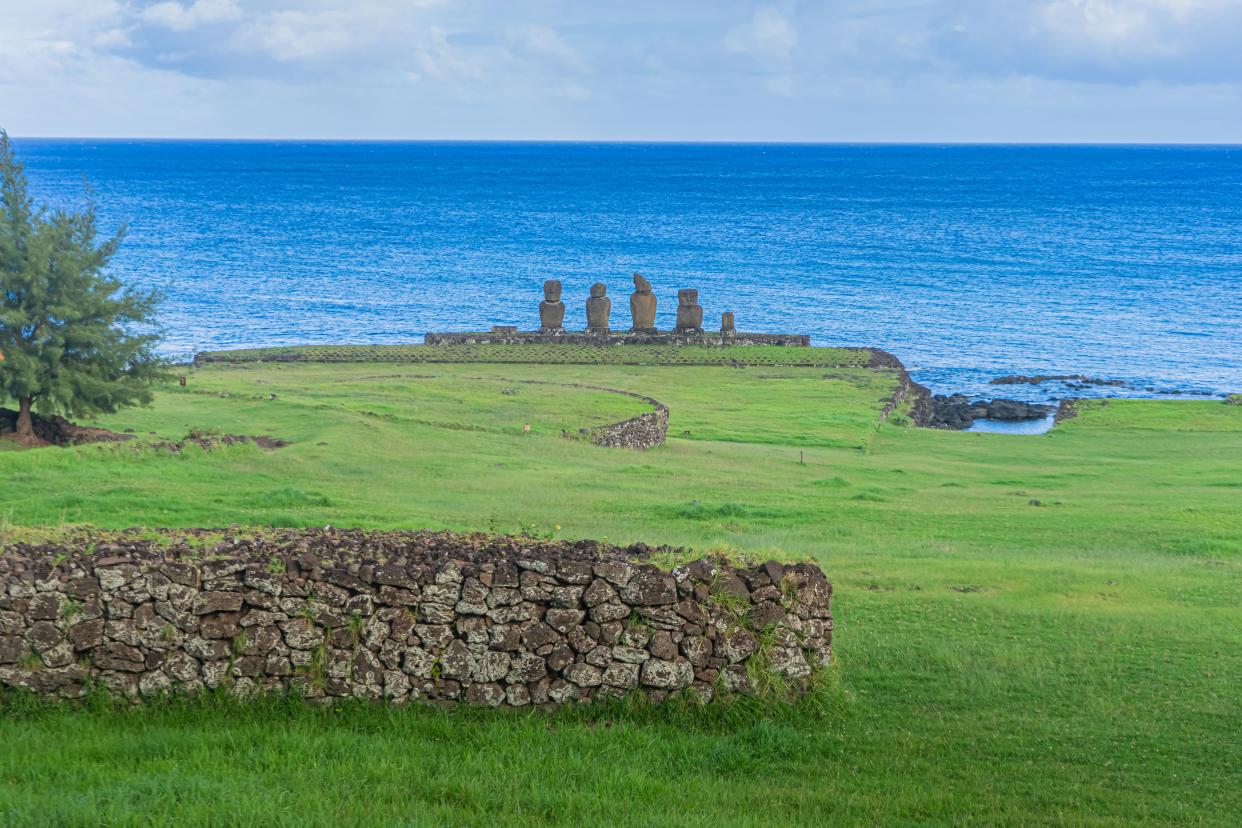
[[903, 70]]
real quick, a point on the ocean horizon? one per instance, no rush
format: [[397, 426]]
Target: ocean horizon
[[967, 261]]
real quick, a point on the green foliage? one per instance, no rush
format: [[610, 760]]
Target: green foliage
[[765, 680], [727, 600], [67, 330]]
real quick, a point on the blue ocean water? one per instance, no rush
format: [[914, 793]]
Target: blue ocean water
[[968, 262]]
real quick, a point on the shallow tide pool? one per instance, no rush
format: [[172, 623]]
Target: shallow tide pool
[[1007, 427]]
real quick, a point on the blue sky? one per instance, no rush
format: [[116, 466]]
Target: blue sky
[[789, 70]]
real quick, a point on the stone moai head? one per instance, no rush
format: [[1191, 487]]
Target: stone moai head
[[598, 308], [726, 322], [689, 314], [551, 309], [642, 305]]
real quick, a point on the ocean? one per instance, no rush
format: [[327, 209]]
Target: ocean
[[967, 262]]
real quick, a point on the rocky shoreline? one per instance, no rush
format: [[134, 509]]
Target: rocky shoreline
[[952, 412], [1078, 381], [958, 412]]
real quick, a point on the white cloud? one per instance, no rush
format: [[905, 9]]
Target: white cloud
[[295, 35], [652, 68], [1136, 28], [546, 43], [768, 35], [439, 59], [181, 18], [1112, 41]]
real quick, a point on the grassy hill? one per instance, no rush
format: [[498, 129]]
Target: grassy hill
[[1031, 630]]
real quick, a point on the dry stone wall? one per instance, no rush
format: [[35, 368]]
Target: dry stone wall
[[642, 432], [489, 620]]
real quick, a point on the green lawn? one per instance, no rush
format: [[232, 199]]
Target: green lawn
[[1031, 630]]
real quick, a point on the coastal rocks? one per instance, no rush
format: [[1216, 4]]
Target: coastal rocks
[[1233, 399], [642, 306], [552, 309], [401, 616], [598, 309], [1076, 381], [958, 412], [689, 313], [1014, 410], [954, 412]]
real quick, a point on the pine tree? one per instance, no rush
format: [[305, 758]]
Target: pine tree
[[74, 340]]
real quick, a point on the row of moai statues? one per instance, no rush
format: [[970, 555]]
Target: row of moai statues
[[642, 309]]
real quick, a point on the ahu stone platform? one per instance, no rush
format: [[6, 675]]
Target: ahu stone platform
[[401, 616], [507, 335]]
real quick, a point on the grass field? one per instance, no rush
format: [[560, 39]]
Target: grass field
[[1031, 630]]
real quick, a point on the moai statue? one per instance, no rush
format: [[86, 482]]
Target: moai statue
[[642, 306], [689, 314], [726, 325], [552, 309], [599, 308]]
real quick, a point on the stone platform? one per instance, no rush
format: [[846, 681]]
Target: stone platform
[[505, 335]]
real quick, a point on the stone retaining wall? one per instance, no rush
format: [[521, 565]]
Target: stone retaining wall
[[482, 619], [505, 336], [642, 432]]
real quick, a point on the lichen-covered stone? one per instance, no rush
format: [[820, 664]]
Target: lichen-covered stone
[[527, 667], [667, 675], [789, 661], [738, 646], [418, 662], [489, 695], [209, 602], [649, 589], [609, 611], [584, 675], [697, 649], [491, 666], [620, 674], [562, 620]]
